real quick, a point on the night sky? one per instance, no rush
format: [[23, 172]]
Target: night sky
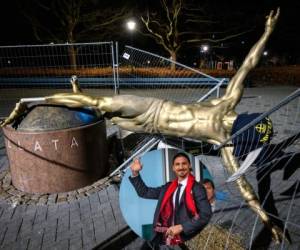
[[15, 29]]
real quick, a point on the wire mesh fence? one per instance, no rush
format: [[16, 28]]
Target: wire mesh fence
[[39, 70], [168, 79]]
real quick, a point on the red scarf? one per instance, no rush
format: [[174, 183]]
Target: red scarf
[[165, 217]]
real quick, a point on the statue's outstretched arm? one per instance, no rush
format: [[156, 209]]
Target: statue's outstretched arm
[[125, 106], [22, 106], [235, 88], [249, 195]]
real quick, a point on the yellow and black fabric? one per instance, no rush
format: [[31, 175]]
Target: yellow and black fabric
[[256, 136]]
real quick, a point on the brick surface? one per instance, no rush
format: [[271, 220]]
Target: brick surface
[[103, 196], [76, 243], [85, 223]]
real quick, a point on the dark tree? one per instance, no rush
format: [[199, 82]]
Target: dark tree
[[61, 21], [177, 23]]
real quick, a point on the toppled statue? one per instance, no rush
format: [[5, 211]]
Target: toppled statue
[[211, 121]]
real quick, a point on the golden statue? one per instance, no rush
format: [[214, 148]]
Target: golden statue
[[209, 121]]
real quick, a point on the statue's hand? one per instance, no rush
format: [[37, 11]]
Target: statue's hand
[[17, 112], [272, 20], [278, 235]]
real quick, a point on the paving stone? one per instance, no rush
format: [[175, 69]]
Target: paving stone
[[76, 243], [84, 202], [37, 227], [31, 210], [21, 244], [103, 196], [119, 218], [75, 217], [3, 231], [19, 212], [8, 246], [49, 235], [95, 203], [11, 235], [98, 221], [88, 238], [35, 242], [64, 235], [62, 244], [85, 208], [63, 226], [75, 225], [107, 212], [76, 233], [112, 227], [88, 225], [52, 212], [26, 227], [113, 192], [63, 206], [41, 214], [7, 214]]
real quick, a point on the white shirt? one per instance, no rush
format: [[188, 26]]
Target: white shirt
[[183, 183], [213, 206]]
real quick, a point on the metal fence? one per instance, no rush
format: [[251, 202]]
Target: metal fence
[[96, 65], [38, 70]]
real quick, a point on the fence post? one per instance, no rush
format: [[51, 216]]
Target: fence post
[[117, 67], [114, 67]]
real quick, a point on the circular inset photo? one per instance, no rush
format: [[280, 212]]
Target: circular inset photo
[[156, 171]]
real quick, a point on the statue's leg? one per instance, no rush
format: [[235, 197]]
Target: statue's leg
[[248, 193]]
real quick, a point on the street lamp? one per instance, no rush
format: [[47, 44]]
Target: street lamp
[[204, 61], [204, 48], [131, 25]]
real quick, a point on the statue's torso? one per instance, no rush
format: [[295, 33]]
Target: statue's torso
[[204, 122]]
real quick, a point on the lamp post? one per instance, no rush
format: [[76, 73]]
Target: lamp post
[[204, 49], [131, 26]]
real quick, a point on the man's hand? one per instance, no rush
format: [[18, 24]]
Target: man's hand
[[174, 230], [136, 167]]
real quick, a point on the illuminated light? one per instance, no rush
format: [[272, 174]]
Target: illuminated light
[[205, 48], [131, 25]]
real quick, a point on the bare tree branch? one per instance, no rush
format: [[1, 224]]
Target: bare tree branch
[[185, 22]]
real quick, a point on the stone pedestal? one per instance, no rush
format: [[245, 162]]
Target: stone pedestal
[[59, 160]]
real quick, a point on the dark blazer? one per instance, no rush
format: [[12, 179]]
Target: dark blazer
[[191, 226]]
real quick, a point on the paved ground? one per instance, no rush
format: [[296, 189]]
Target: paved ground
[[96, 218]]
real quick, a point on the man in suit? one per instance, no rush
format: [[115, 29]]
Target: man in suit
[[182, 210]]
